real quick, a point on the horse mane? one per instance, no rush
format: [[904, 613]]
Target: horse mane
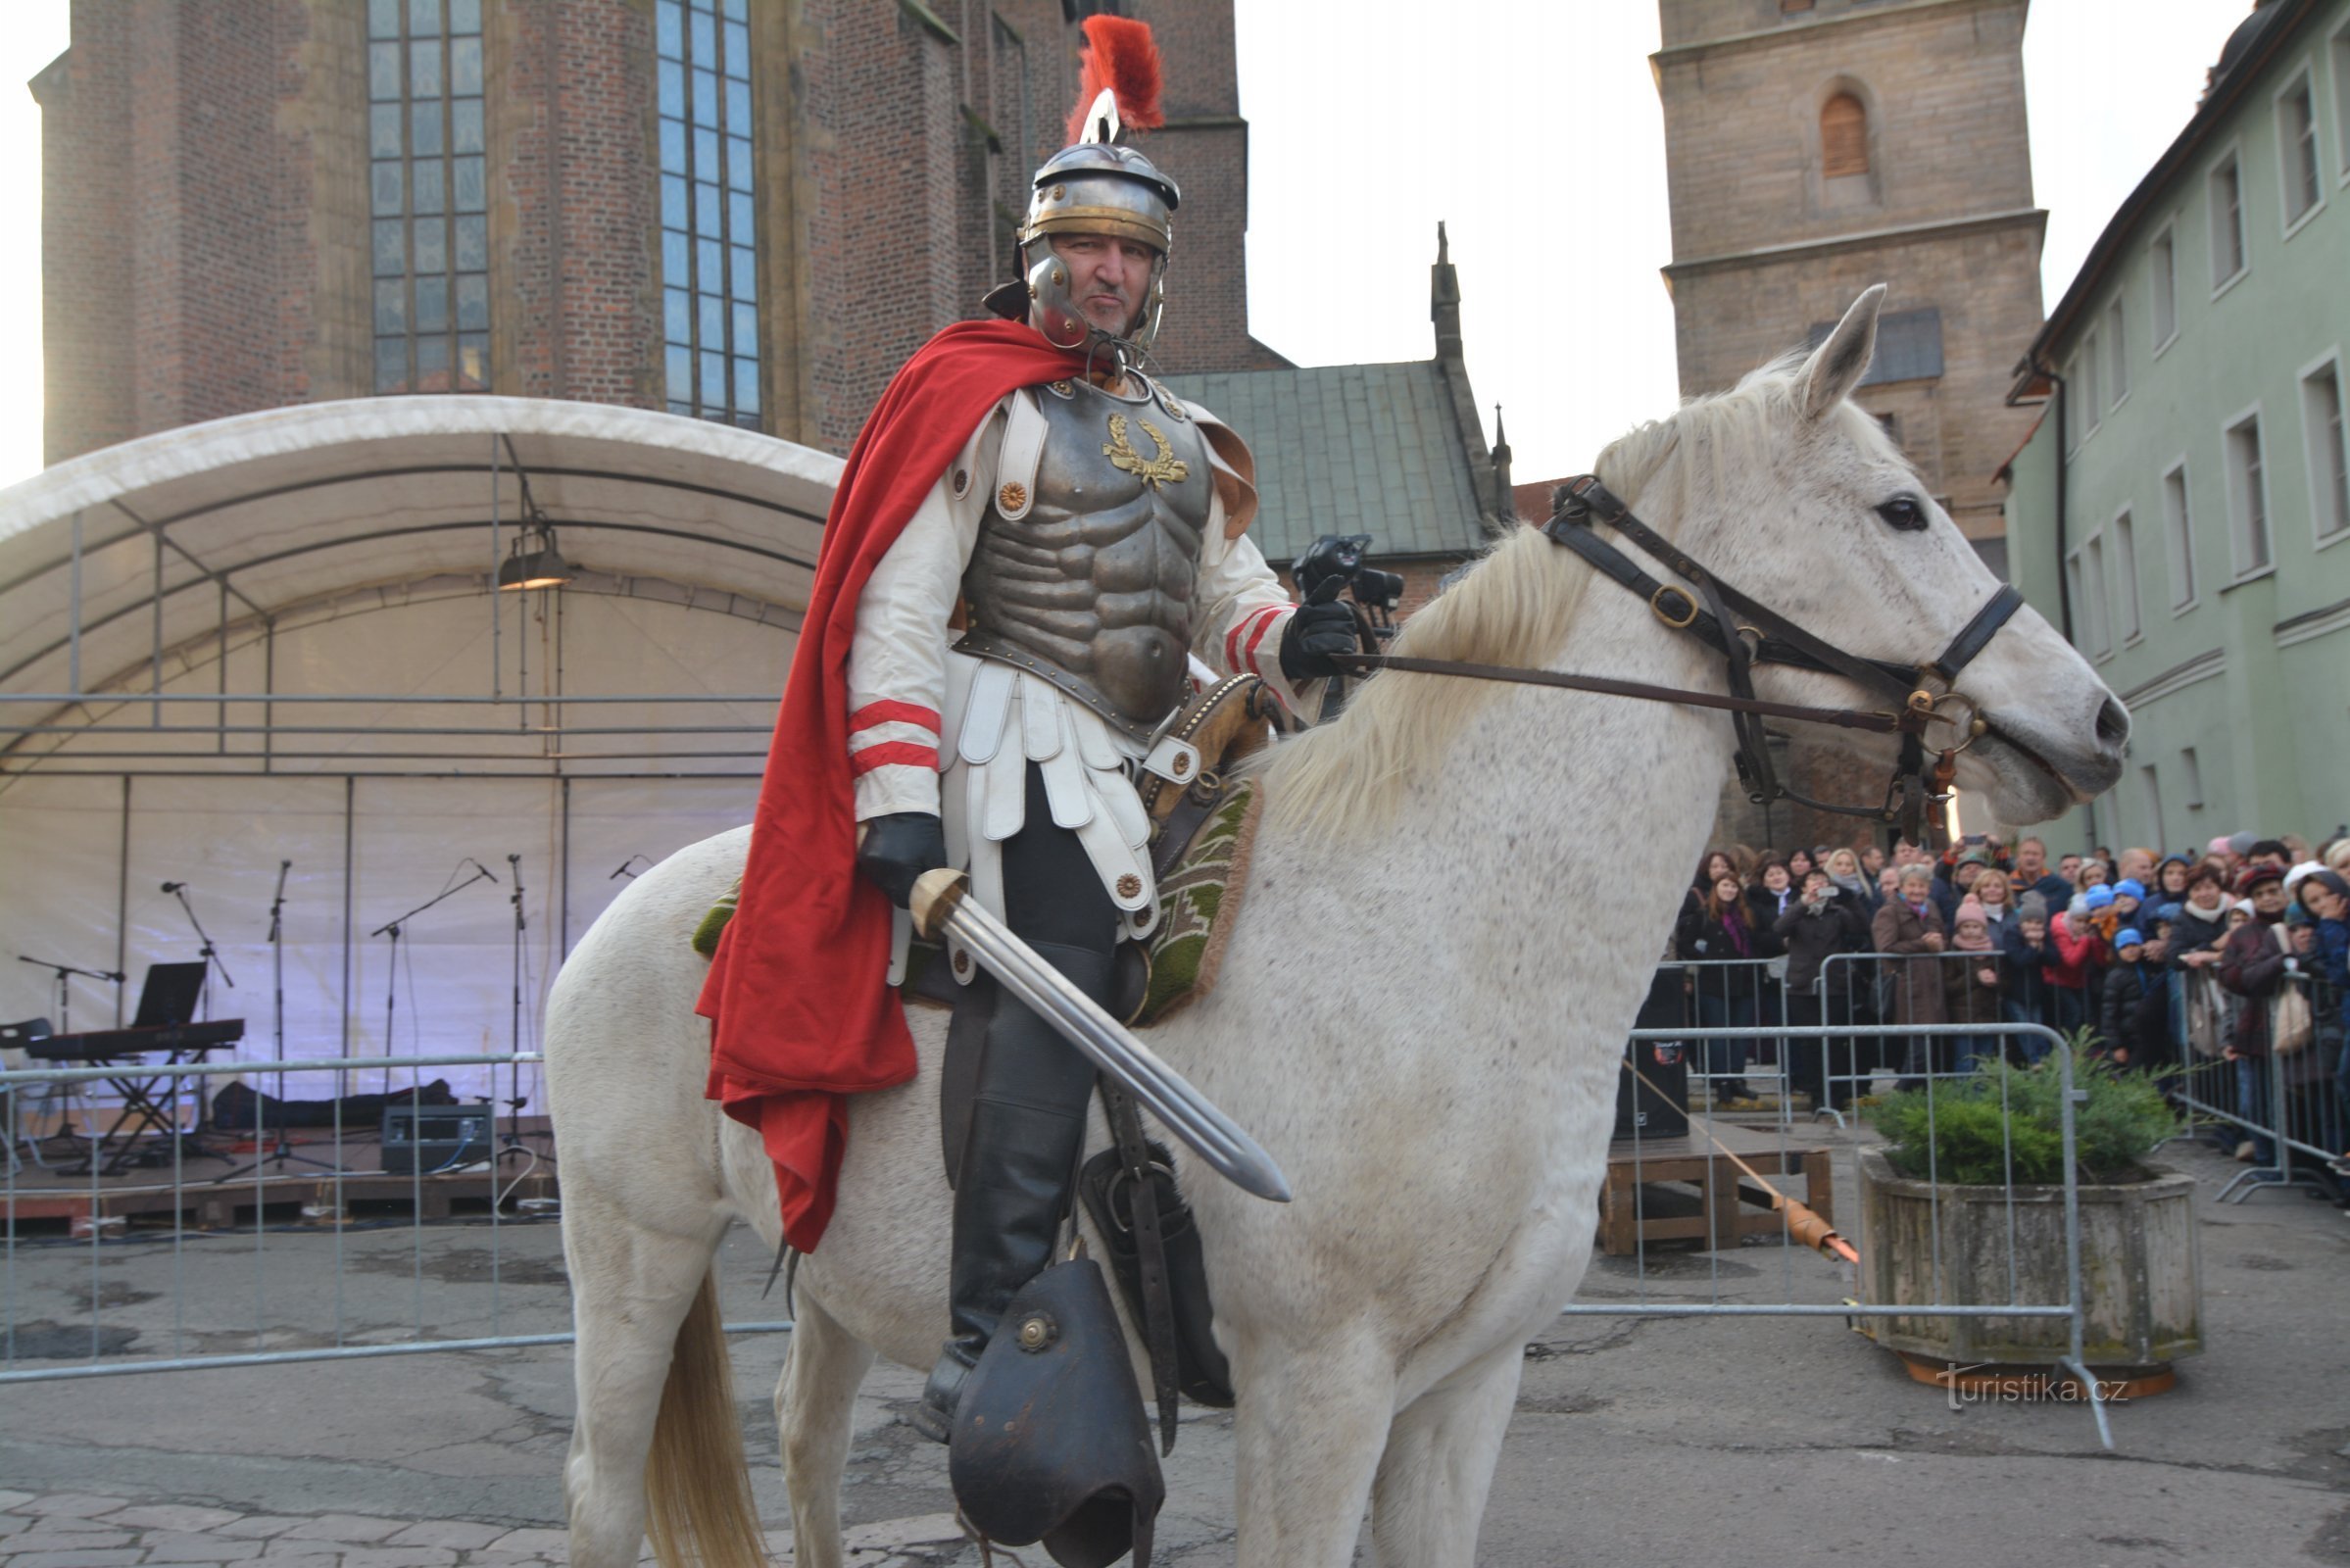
[[1518, 603]]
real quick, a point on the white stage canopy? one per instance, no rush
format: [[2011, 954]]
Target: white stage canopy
[[273, 638]]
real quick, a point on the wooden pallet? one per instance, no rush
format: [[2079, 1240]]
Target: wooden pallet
[[1729, 1206]]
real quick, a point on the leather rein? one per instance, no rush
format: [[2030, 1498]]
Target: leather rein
[[1745, 634]]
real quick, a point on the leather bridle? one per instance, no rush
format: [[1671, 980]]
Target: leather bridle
[[1745, 634]]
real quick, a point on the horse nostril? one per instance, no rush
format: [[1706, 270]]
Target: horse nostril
[[2113, 724]]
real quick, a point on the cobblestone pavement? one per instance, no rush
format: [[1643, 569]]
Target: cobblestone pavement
[[1635, 1442], [109, 1530]]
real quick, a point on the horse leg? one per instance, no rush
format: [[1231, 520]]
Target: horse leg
[[815, 1402], [1430, 1493], [643, 1303], [1308, 1432]]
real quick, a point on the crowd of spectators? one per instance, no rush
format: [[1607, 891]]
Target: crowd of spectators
[[2190, 962]]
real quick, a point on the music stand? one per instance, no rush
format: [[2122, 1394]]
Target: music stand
[[284, 1149]]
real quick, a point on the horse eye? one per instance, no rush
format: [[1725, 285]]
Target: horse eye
[[1903, 512]]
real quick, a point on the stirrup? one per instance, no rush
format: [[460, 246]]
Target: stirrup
[[933, 1414]]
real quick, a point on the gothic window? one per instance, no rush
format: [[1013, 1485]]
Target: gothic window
[[428, 196], [708, 229], [1843, 137]]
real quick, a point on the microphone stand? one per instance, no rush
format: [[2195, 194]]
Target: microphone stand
[[510, 1141], [63, 973], [211, 961], [283, 1150], [392, 929]]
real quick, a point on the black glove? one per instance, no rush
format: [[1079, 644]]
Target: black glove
[[1313, 635], [898, 849]]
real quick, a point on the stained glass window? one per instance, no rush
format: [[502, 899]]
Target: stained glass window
[[428, 196], [708, 230]]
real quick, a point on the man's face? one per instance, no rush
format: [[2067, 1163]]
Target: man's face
[[2070, 869], [2032, 860], [1888, 880], [1108, 278], [1965, 873], [2137, 864], [2270, 858], [2269, 898]]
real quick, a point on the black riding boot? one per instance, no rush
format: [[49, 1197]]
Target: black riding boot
[[1028, 1129]]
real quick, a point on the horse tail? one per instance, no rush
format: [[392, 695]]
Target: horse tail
[[696, 1482]]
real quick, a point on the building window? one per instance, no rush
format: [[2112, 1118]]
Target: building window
[[2151, 787], [709, 244], [1843, 137], [2179, 533], [2297, 147], [2190, 768], [428, 196], [2117, 351], [2086, 570], [2227, 223], [2163, 263], [2092, 396], [2328, 456], [2248, 496], [2340, 50], [2126, 576]]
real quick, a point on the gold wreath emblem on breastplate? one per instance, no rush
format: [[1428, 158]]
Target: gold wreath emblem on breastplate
[[1161, 470]]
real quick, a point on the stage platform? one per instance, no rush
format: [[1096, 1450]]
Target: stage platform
[[37, 1202]]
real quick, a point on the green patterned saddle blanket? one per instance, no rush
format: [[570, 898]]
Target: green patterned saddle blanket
[[1198, 900]]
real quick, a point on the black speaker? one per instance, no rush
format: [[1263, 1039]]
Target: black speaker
[[1660, 1106], [431, 1137]]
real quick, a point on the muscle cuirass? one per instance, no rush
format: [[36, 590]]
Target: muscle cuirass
[[1088, 581]]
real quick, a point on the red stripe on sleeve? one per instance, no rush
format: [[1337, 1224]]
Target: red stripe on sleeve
[[892, 753], [873, 713], [1264, 623]]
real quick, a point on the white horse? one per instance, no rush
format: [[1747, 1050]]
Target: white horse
[[1420, 1015]]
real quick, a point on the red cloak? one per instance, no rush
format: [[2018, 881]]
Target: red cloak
[[800, 1012]]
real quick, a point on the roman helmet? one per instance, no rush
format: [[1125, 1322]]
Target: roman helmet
[[1096, 186]]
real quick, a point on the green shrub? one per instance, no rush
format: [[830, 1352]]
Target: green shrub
[[2004, 1121]]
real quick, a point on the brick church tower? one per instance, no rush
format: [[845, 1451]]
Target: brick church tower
[[730, 209], [1814, 147]]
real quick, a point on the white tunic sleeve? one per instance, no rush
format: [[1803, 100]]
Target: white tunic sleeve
[[898, 659], [1243, 614]]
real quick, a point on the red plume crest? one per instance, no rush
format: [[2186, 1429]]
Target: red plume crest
[[1120, 55]]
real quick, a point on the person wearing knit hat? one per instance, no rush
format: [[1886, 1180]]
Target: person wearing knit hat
[[2327, 893], [2240, 844], [2024, 955], [2256, 875], [2096, 899], [2133, 1010], [1972, 985]]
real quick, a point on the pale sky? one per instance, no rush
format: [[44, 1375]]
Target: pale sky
[[1531, 126]]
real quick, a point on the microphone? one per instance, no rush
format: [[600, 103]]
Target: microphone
[[479, 866], [624, 869], [173, 887]]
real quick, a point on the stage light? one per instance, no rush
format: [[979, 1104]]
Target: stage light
[[534, 563]]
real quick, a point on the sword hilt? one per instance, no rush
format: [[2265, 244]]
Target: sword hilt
[[933, 901]]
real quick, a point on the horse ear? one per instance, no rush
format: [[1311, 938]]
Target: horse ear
[[1838, 364]]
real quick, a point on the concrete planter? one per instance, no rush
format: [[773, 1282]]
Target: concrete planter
[[2140, 1268]]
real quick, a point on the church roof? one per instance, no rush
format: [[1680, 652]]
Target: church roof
[[1343, 448]]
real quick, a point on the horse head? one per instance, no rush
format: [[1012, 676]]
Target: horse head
[[1801, 500]]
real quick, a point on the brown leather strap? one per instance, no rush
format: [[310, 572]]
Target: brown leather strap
[[1841, 718], [1150, 1254]]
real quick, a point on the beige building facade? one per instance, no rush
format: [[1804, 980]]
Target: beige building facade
[[1813, 149]]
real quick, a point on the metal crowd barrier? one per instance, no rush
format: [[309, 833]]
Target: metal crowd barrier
[[2293, 1110], [380, 1304]]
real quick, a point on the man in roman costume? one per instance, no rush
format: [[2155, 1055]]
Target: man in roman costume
[[1033, 546]]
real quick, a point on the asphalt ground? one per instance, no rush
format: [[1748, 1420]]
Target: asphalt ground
[[1756, 1440]]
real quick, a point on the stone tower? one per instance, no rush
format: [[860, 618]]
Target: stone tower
[[1814, 147]]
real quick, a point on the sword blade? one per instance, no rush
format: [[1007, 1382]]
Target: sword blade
[[1079, 1019]]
